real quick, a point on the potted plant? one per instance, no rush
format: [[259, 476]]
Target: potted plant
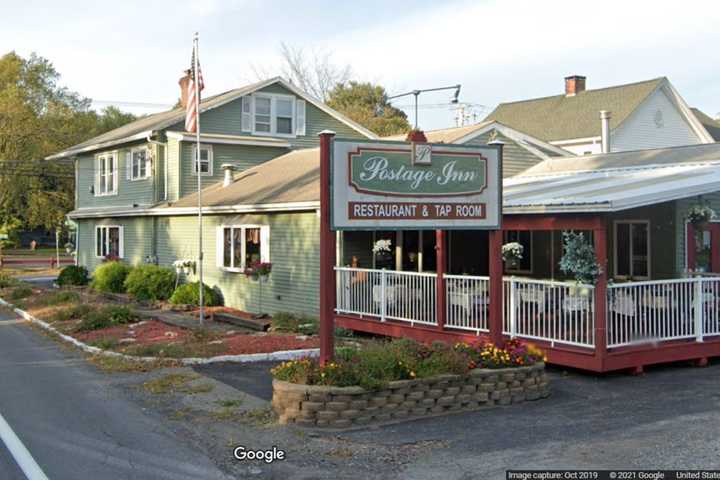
[[579, 261], [259, 272], [416, 136], [700, 214], [512, 253], [381, 249]]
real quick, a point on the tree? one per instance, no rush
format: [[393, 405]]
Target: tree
[[313, 72], [368, 105], [38, 118]]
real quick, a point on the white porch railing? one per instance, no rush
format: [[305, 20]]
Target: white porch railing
[[663, 310], [467, 302], [557, 312], [385, 294]]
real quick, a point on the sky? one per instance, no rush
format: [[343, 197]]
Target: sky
[[498, 50]]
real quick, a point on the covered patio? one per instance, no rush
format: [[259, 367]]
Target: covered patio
[[650, 303]]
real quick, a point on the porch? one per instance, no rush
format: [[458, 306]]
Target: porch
[[653, 311]]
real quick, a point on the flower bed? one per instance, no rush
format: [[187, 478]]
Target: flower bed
[[404, 379]]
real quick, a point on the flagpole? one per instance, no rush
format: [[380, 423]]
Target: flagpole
[[199, 179]]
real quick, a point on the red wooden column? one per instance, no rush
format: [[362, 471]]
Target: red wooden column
[[690, 246], [440, 260], [495, 269], [600, 240], [327, 254]]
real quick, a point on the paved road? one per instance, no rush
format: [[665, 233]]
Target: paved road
[[77, 424]]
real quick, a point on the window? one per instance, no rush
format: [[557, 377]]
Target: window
[[109, 241], [106, 174], [524, 238], [139, 164], [241, 246], [275, 115], [206, 160], [632, 249]]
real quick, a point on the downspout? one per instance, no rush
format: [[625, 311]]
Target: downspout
[[156, 197]]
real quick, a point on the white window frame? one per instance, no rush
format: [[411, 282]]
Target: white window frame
[[273, 97], [147, 162], [107, 159], [209, 148], [509, 269], [104, 231], [648, 260], [264, 246]]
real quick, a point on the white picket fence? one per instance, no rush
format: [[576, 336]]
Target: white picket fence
[[556, 312], [663, 310]]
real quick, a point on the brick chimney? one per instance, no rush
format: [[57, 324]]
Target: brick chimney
[[183, 82], [574, 84]]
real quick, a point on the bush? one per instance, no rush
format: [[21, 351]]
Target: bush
[[7, 281], [291, 323], [107, 316], [58, 298], [189, 294], [18, 293], [378, 363], [150, 282], [73, 313], [110, 277], [73, 275]]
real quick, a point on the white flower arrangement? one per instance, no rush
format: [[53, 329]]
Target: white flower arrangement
[[512, 252], [184, 265], [700, 214], [381, 246]]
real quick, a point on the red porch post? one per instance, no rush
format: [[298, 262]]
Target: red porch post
[[327, 254], [440, 304], [690, 246], [495, 270], [600, 240]]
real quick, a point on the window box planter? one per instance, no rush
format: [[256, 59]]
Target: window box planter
[[318, 406]]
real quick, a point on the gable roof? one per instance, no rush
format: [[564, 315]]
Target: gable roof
[[467, 133], [710, 124], [562, 117], [144, 126]]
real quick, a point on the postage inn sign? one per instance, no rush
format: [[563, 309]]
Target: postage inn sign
[[380, 185]]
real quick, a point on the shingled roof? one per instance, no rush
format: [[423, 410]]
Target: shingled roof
[[710, 124], [139, 128], [562, 117]]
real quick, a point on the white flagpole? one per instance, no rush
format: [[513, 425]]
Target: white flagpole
[[199, 178]]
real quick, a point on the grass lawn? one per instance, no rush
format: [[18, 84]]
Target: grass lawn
[[39, 252]]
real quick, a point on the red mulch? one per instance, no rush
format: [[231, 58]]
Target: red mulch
[[239, 344]]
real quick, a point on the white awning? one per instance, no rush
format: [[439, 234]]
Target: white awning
[[609, 190]]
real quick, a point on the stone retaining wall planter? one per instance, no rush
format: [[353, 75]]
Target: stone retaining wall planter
[[344, 407]]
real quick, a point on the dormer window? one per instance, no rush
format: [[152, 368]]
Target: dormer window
[[273, 114]]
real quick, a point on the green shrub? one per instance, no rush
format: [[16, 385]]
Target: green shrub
[[107, 316], [110, 277], [189, 294], [284, 322], [72, 313], [18, 293], [73, 275], [7, 281], [150, 282], [58, 298]]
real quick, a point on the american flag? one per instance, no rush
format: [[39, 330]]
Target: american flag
[[191, 113]]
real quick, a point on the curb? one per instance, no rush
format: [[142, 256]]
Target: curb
[[245, 358]]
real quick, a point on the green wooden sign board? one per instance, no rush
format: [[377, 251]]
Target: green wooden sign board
[[400, 185]]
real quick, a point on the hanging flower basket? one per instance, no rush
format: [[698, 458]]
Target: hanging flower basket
[[416, 136], [512, 253], [700, 214]]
